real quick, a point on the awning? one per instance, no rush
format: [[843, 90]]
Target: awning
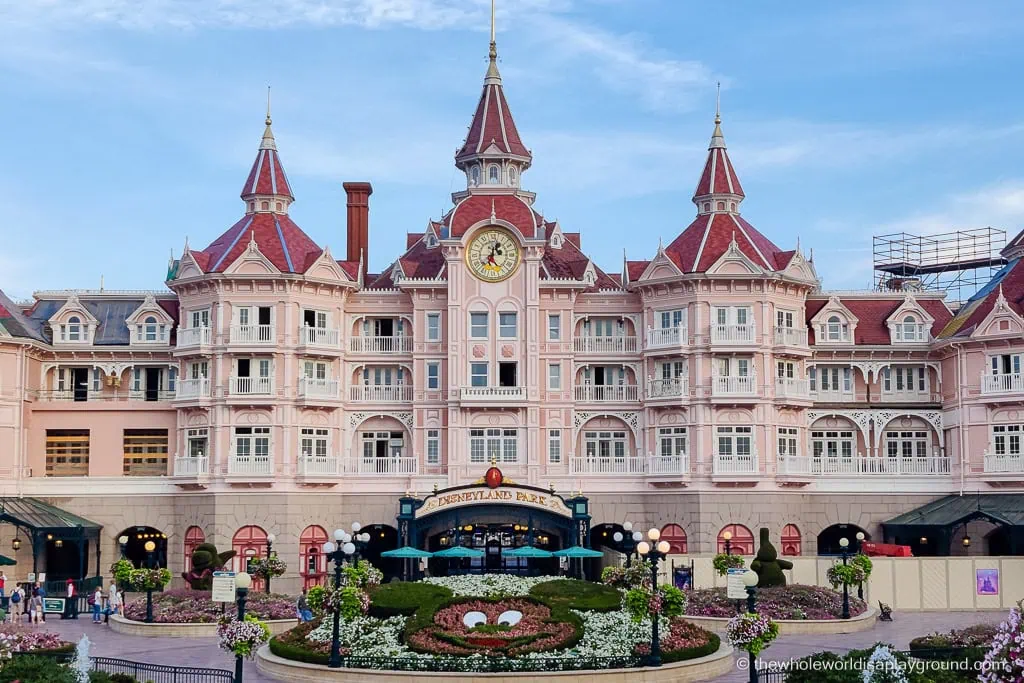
[[33, 514], [1004, 509], [6, 561]]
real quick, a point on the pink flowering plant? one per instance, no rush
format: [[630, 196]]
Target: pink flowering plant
[[794, 601], [269, 567], [751, 632], [186, 606], [1004, 660], [15, 638], [682, 635], [667, 601], [362, 575], [242, 638]]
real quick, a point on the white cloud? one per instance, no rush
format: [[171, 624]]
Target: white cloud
[[1000, 205]]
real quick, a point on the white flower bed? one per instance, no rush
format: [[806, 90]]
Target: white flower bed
[[488, 586], [366, 636]]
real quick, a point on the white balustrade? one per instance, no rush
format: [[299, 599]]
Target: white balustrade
[[319, 336], [666, 337], [675, 387], [733, 334], [373, 344], [832, 396], [250, 465], [317, 465], [735, 464], [1004, 463], [190, 467], [733, 386], [252, 386], [907, 397], [315, 387], [615, 393], [791, 387], [793, 464], [660, 465], [380, 393], [607, 345], [193, 336], [1002, 384], [626, 465], [252, 334], [389, 466], [193, 388], [493, 393], [791, 336], [860, 465]]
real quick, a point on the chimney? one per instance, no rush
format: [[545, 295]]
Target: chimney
[[358, 212]]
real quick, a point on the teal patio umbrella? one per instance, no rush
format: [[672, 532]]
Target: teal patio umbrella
[[458, 551], [528, 551], [406, 552], [577, 552], [6, 561]]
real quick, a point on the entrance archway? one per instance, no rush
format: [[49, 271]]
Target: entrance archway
[[382, 537], [828, 540], [135, 548], [65, 559]]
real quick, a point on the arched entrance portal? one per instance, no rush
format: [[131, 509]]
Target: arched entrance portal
[[382, 537], [828, 540], [135, 548]]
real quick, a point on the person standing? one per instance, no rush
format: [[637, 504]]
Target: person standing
[[113, 603], [36, 611], [17, 608], [70, 601], [97, 605], [302, 608], [3, 584], [41, 590]]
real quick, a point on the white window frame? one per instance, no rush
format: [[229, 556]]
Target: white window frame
[[673, 442], [315, 369], [433, 446], [554, 446], [833, 443], [555, 376], [835, 329], [478, 378], [314, 442], [508, 324], [554, 327], [1006, 439], [499, 444], [733, 315], [606, 443], [249, 442], [434, 374], [197, 442], [905, 379], [396, 444], [433, 327], [784, 319], [995, 364], [787, 441], [736, 441], [479, 324], [907, 443]]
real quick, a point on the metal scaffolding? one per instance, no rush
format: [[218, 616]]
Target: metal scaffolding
[[957, 263]]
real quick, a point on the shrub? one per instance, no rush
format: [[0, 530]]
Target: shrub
[[315, 599], [195, 607], [768, 565], [293, 645], [786, 602], [104, 677], [828, 667], [404, 599], [30, 669], [979, 635], [580, 595]]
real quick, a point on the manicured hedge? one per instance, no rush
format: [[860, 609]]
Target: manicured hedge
[[579, 595], [405, 599], [294, 646]]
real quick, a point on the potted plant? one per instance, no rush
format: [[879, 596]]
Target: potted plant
[[242, 638], [751, 632], [723, 563]]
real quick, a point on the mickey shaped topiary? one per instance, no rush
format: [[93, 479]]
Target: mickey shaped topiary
[[768, 565], [205, 561]]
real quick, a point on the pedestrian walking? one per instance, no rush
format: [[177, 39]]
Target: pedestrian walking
[[97, 605]]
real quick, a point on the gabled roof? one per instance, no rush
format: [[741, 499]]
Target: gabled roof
[[421, 262], [1010, 279], [14, 321], [707, 238], [277, 236], [110, 312], [872, 314], [1007, 508], [570, 263]]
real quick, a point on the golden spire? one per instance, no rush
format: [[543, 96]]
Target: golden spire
[[268, 134], [492, 67]]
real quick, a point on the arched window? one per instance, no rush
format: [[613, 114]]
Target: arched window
[[194, 537], [720, 206], [265, 206], [837, 330], [676, 537], [150, 329], [732, 206], [277, 205], [707, 206], [910, 328], [740, 540], [249, 542], [252, 206], [474, 176], [791, 540], [74, 328], [493, 174], [312, 563], [512, 175]]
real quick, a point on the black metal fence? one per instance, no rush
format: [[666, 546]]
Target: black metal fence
[[149, 673], [964, 657], [491, 664]]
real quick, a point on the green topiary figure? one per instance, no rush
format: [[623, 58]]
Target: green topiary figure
[[205, 561], [768, 565]]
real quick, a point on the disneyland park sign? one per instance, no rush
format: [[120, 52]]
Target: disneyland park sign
[[487, 495]]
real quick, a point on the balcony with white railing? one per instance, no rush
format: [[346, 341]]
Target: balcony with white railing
[[605, 345], [380, 393], [151, 395], [897, 396], [793, 466], [190, 389], [252, 386], [791, 336], [1004, 464], [832, 396], [252, 334], [492, 395], [733, 335], [191, 467], [615, 393], [1001, 385], [734, 387], [317, 466], [792, 388], [319, 337], [860, 465], [731, 465], [674, 466], [633, 465], [191, 337], [393, 466], [250, 465], [373, 344], [667, 337], [315, 387], [676, 387]]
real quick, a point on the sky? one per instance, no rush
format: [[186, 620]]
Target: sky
[[129, 126]]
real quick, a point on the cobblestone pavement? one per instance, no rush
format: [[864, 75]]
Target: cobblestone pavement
[[204, 652]]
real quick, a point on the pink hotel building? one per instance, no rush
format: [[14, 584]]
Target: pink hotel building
[[274, 389]]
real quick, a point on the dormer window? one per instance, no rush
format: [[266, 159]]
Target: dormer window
[[278, 205], [910, 329], [732, 206], [707, 206], [512, 176], [836, 329], [493, 174], [721, 206], [74, 329], [265, 206], [151, 331], [431, 240], [474, 176], [556, 240], [252, 206]]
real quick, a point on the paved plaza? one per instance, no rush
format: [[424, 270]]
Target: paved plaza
[[205, 653]]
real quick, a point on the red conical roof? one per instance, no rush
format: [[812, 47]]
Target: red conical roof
[[718, 177], [267, 176], [492, 121]]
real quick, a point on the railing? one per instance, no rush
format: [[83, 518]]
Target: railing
[[380, 344], [1002, 384], [735, 464], [251, 465], [615, 393], [494, 664], [493, 393], [832, 396], [161, 673], [185, 466], [668, 464], [394, 466], [193, 336], [252, 386], [859, 465], [733, 334], [144, 395], [665, 337], [319, 388], [252, 334], [733, 386], [319, 336], [380, 393], [1004, 464], [631, 465], [907, 397], [919, 333], [791, 336], [605, 344], [317, 465], [668, 388], [193, 388], [791, 387]]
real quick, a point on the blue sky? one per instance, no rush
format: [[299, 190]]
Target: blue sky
[[131, 124]]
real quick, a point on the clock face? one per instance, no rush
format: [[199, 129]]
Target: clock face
[[493, 255]]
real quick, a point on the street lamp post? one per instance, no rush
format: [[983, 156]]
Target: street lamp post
[[860, 584], [337, 552], [122, 542], [242, 583], [658, 552], [270, 553], [844, 543], [359, 540], [150, 547], [750, 579], [627, 542]]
